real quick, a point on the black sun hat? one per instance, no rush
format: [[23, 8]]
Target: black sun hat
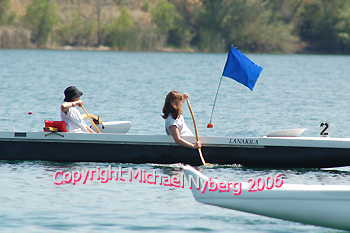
[[72, 93]]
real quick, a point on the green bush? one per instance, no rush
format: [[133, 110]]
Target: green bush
[[118, 32], [40, 18], [6, 15], [77, 31], [326, 26]]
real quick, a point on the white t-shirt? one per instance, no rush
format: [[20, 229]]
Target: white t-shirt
[[179, 123], [74, 123]]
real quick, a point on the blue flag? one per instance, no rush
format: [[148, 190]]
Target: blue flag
[[242, 69]]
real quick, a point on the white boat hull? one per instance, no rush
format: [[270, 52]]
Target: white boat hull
[[114, 127], [320, 205]]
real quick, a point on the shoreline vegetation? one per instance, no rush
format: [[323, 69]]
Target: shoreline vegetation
[[254, 26]]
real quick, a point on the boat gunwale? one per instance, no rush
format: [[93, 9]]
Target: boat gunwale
[[116, 138]]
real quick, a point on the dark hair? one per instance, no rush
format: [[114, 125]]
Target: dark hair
[[173, 105]]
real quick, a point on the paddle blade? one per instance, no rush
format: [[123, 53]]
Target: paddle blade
[[210, 125]]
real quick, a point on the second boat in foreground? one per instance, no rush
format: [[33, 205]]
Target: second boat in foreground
[[320, 205]]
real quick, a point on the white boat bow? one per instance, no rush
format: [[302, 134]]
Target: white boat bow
[[320, 205]]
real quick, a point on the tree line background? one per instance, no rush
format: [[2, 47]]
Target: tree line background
[[260, 26]]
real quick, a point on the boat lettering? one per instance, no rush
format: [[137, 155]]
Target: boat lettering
[[242, 141]]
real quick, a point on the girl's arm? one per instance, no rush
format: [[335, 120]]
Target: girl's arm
[[176, 135], [65, 106]]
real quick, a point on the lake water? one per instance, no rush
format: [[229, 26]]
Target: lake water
[[293, 91]]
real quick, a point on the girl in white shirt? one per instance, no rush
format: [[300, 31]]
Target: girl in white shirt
[[174, 122], [70, 114]]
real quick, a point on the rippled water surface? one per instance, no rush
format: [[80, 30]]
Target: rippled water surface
[[293, 91]]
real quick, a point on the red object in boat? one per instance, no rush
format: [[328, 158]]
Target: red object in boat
[[61, 125]]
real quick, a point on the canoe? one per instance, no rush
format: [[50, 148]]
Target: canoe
[[264, 152], [104, 127], [319, 205]]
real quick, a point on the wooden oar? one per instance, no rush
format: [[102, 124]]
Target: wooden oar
[[195, 129], [92, 122]]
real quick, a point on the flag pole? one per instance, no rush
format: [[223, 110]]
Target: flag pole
[[210, 125], [241, 69]]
